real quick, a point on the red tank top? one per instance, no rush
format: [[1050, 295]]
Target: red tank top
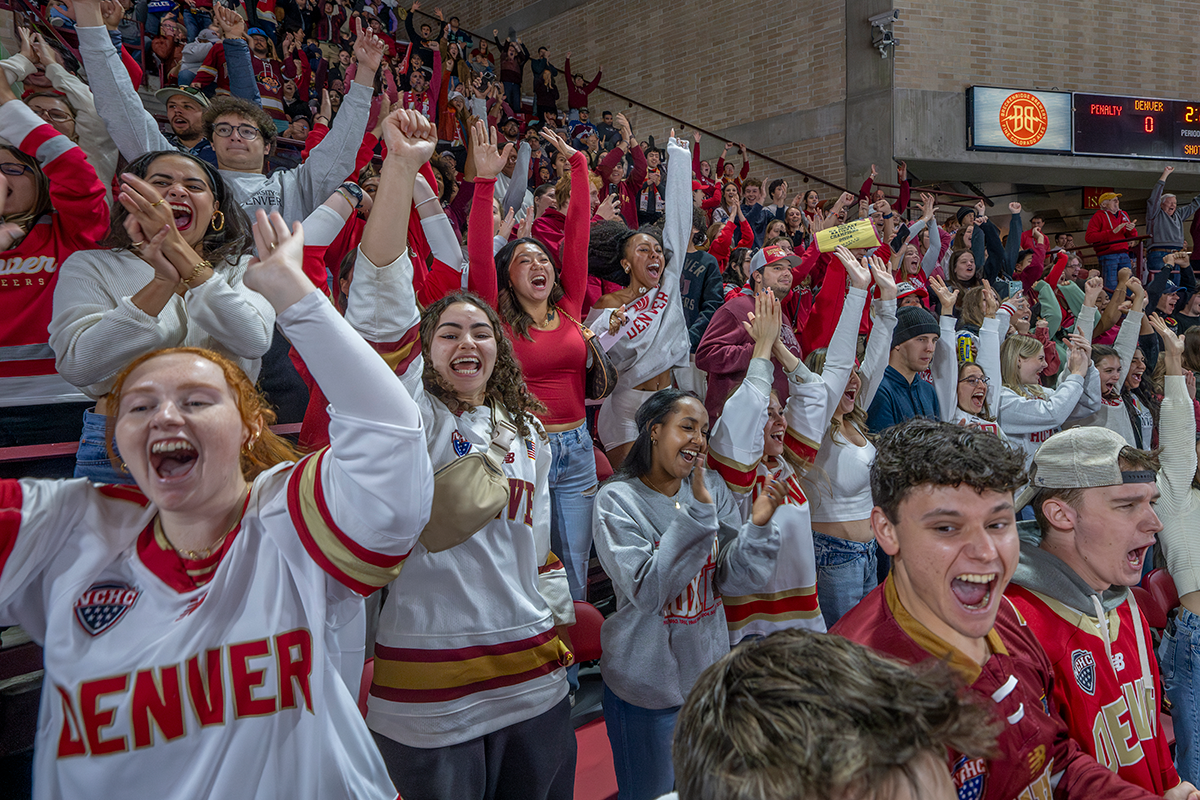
[[554, 364]]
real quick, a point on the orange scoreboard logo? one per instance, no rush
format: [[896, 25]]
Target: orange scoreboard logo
[[1023, 119]]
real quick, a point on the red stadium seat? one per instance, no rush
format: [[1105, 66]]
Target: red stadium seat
[[604, 470], [1151, 609], [1162, 588], [585, 633], [364, 687]]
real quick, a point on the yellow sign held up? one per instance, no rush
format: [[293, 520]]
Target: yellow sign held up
[[852, 235]]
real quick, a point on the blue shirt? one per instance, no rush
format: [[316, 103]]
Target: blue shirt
[[898, 400]]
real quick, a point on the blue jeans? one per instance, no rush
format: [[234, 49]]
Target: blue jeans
[[1154, 262], [1179, 657], [1110, 265], [846, 573], [91, 459], [195, 21], [572, 494], [641, 745]]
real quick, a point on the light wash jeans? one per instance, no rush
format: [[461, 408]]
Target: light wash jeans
[[91, 459], [1179, 657], [573, 485], [846, 573], [641, 746]]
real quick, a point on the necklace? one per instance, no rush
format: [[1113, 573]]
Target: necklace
[[203, 552], [547, 321]]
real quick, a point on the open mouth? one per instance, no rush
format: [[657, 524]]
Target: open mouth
[[1135, 379], [539, 281], [974, 590], [777, 437], [466, 365], [978, 397], [653, 272], [689, 455], [1137, 557], [172, 459], [182, 215]]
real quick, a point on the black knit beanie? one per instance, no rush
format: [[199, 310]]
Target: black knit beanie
[[911, 322]]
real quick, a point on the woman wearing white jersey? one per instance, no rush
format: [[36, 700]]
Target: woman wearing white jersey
[[642, 326], [191, 624], [835, 440], [968, 390], [1028, 413], [469, 698], [748, 450]]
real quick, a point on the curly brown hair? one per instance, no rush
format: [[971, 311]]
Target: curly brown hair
[[506, 385]]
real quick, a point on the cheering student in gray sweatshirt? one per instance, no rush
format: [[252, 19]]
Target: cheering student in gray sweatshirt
[[1165, 219], [672, 540]]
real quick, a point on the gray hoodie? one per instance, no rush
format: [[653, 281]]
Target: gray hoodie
[[1046, 573], [670, 560]]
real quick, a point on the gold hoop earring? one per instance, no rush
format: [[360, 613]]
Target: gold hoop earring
[[218, 216]]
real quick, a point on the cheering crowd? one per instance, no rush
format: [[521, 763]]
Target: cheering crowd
[[871, 481]]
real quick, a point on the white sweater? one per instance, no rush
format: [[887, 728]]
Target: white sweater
[[96, 329], [1179, 505]]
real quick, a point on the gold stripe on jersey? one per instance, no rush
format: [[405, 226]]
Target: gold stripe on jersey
[[1080, 620], [394, 358], [331, 542]]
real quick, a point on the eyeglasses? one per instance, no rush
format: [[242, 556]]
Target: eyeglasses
[[976, 380], [53, 114], [247, 132], [14, 170]]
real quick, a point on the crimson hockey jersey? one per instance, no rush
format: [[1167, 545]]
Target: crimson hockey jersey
[[1037, 760], [1106, 684]]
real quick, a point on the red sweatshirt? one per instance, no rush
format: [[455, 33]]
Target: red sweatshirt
[[578, 98], [628, 190], [724, 352], [29, 271], [1100, 233]]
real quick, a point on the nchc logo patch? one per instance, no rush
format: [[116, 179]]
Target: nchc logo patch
[[970, 775], [1084, 667], [103, 605]]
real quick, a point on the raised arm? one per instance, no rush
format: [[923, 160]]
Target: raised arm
[[132, 128], [375, 481], [575, 233], [677, 222]]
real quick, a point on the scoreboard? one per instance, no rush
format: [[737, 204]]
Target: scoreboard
[[1136, 127], [1116, 126]]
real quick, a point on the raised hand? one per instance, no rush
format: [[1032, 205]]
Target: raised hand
[[874, 172], [276, 272], [928, 207], [991, 300], [769, 499], [27, 44], [696, 138], [112, 13], [409, 136], [902, 172], [1080, 354], [560, 144], [883, 278], [488, 159], [946, 296], [764, 323], [1092, 289], [368, 51], [525, 229], [610, 208], [506, 224], [1172, 342], [859, 274], [229, 22], [1014, 208]]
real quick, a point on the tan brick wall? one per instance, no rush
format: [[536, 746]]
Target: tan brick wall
[[1076, 45], [712, 63]]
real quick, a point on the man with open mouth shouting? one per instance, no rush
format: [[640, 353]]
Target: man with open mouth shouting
[[1094, 502], [944, 513]]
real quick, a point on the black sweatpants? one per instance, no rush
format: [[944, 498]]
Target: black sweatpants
[[530, 760]]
